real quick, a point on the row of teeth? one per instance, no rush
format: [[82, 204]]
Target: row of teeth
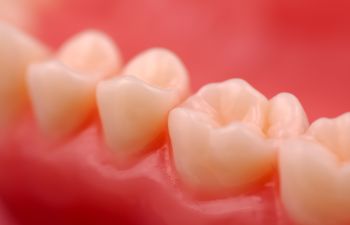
[[227, 137]]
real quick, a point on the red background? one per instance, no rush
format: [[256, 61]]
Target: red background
[[295, 46]]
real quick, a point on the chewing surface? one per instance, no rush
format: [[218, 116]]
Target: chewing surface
[[223, 137], [315, 173]]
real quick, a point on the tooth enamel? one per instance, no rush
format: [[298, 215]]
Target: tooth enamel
[[62, 99], [161, 68], [218, 136], [334, 134], [17, 51], [286, 116], [91, 52], [63, 91], [314, 177], [134, 107]]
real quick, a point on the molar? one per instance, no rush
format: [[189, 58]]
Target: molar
[[222, 136], [315, 173]]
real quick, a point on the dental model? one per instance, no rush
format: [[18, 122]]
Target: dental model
[[17, 52], [257, 159]]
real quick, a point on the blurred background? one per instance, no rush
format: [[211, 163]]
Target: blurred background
[[299, 46]]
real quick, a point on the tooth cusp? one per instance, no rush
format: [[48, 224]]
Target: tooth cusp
[[91, 52], [314, 173], [219, 136]]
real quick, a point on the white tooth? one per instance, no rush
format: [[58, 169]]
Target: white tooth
[[62, 99], [286, 117], [91, 52], [314, 179], [217, 138], [134, 108], [63, 91], [160, 67], [334, 134], [17, 51]]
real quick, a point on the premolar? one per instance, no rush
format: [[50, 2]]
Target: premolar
[[134, 106], [222, 136], [17, 51], [315, 173], [63, 90]]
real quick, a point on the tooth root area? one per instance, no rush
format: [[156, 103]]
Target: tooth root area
[[213, 157], [91, 52], [286, 117], [314, 187], [161, 68], [62, 100], [17, 51]]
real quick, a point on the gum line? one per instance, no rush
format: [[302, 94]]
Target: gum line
[[92, 171]]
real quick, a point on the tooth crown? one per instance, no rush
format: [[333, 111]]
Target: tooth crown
[[220, 136], [63, 90], [286, 117], [136, 112], [134, 107], [17, 51], [160, 68], [60, 97], [314, 175], [91, 52]]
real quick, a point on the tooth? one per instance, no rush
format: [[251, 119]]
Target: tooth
[[334, 134], [286, 117], [315, 174], [160, 67], [62, 99], [17, 51], [224, 138], [63, 90], [134, 107], [91, 52], [217, 138]]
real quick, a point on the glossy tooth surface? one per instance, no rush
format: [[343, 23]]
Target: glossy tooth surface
[[315, 174], [63, 91], [134, 107], [286, 117], [218, 136], [62, 99], [17, 51], [91, 52]]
